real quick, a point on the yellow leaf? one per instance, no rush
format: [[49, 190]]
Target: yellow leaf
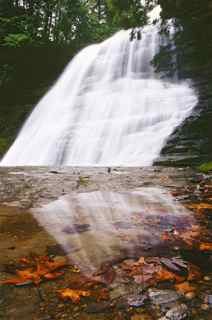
[[206, 246], [73, 295], [184, 287]]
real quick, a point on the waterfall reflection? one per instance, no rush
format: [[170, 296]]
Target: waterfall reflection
[[95, 227]]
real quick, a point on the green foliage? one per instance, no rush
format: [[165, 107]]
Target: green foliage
[[63, 21], [127, 13], [205, 167], [17, 40], [3, 145]]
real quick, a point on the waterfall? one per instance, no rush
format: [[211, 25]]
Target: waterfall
[[108, 108]]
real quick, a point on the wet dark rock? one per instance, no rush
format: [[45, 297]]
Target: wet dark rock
[[177, 313], [55, 250], [160, 297], [176, 265], [208, 299], [137, 301], [55, 172]]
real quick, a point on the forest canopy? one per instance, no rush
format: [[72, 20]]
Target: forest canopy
[[61, 22]]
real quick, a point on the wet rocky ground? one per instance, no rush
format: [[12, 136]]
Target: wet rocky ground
[[97, 243]]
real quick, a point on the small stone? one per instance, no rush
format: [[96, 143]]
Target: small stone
[[204, 307], [159, 297], [190, 295], [208, 299], [176, 265], [136, 301], [177, 313], [118, 292]]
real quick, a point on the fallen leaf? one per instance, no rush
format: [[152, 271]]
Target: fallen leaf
[[16, 281], [102, 294], [190, 236], [144, 280], [184, 287], [73, 295], [53, 275], [109, 276], [165, 275], [206, 246], [45, 268], [193, 272], [165, 236], [200, 207], [24, 260]]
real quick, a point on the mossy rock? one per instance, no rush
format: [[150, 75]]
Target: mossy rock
[[206, 167]]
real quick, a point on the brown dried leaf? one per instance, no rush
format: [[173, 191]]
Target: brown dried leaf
[[102, 294], [109, 276], [193, 273]]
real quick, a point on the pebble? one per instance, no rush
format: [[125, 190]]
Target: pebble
[[208, 299], [206, 278], [204, 307], [177, 313], [136, 301], [119, 291], [190, 295], [162, 296]]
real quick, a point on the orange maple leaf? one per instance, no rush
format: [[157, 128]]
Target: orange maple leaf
[[165, 275], [200, 207], [73, 295], [45, 269], [185, 287], [206, 246]]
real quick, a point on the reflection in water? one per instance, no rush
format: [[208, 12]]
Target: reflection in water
[[95, 227]]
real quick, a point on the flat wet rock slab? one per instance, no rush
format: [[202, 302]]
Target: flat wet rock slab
[[28, 187], [96, 243]]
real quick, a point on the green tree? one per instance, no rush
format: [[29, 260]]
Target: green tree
[[127, 13]]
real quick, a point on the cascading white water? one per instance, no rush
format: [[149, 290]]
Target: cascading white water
[[108, 108]]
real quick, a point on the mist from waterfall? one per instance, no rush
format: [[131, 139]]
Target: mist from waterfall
[[108, 108]]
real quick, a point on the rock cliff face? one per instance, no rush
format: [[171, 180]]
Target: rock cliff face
[[190, 144]]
